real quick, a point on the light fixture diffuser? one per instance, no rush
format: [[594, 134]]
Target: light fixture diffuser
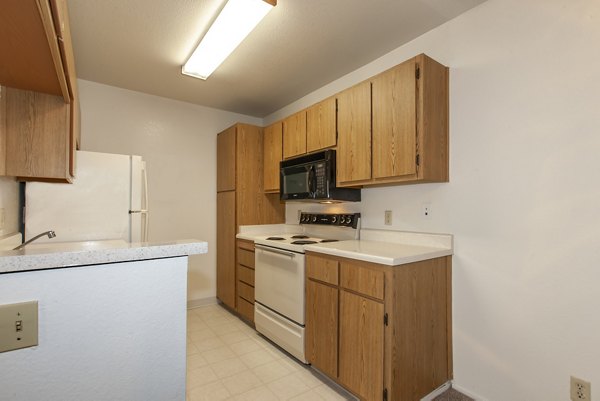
[[237, 19]]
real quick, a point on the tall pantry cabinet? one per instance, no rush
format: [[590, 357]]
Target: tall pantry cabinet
[[240, 199]]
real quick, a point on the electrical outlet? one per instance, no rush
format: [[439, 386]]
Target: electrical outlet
[[580, 390], [387, 220], [426, 210], [18, 325]]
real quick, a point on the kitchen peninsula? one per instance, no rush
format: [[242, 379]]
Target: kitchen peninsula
[[111, 320]]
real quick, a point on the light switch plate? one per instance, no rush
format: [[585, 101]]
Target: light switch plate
[[18, 326]]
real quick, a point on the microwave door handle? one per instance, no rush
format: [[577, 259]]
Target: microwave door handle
[[312, 182]]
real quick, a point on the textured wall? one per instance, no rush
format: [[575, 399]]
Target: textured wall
[[179, 143], [107, 332], [524, 193]]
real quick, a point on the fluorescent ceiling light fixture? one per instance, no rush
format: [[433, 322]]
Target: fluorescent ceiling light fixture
[[237, 19]]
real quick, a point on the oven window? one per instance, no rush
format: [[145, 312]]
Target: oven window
[[296, 183]]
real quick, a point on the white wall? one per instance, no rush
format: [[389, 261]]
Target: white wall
[[106, 333], [178, 142], [9, 201], [524, 195]]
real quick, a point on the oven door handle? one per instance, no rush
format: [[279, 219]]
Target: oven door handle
[[278, 251]]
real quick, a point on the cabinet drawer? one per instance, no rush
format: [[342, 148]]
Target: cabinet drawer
[[322, 269], [246, 309], [245, 291], [245, 275], [245, 257], [245, 244], [362, 279]]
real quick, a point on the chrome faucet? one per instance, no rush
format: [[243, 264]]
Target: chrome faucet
[[50, 234]]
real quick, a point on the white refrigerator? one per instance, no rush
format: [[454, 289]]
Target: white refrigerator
[[107, 200]]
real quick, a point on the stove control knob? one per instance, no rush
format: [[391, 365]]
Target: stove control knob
[[314, 219], [333, 219], [342, 219]]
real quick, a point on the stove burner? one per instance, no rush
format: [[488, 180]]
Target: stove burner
[[303, 242], [299, 236], [276, 238], [329, 240]]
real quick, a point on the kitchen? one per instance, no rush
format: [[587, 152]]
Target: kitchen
[[520, 203]]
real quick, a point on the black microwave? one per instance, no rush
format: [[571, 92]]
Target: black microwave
[[312, 178]]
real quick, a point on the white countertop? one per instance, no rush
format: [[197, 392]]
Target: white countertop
[[385, 247], [385, 253], [69, 254]]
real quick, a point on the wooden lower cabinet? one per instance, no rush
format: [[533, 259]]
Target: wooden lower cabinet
[[245, 279], [226, 248], [321, 335], [361, 345], [380, 329]]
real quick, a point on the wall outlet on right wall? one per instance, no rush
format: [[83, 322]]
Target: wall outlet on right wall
[[580, 390], [387, 218], [426, 210]]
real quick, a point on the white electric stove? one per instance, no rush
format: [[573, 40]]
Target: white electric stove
[[279, 311]]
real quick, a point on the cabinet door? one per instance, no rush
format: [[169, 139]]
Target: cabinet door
[[226, 247], [226, 160], [394, 121], [38, 133], [321, 339], [272, 156], [361, 345], [320, 125], [354, 134], [294, 135]]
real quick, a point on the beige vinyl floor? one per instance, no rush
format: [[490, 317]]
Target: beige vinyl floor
[[228, 360]]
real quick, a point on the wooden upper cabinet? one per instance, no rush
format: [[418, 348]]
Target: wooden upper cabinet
[[273, 147], [38, 140], [320, 125], [407, 139], [42, 132], [226, 160], [294, 135], [248, 169], [354, 134], [31, 57], [394, 95]]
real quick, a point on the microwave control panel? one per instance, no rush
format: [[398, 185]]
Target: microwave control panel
[[321, 180]]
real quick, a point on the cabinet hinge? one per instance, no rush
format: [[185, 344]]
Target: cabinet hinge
[[385, 319], [385, 394], [418, 159], [417, 72]]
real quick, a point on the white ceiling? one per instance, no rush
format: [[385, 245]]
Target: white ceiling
[[300, 46]]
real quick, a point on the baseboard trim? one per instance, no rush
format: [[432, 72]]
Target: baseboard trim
[[437, 391], [468, 393], [198, 303]]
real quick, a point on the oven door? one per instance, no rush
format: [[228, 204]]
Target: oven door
[[279, 281], [297, 182]]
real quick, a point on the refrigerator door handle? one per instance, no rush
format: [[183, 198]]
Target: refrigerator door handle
[[145, 204]]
